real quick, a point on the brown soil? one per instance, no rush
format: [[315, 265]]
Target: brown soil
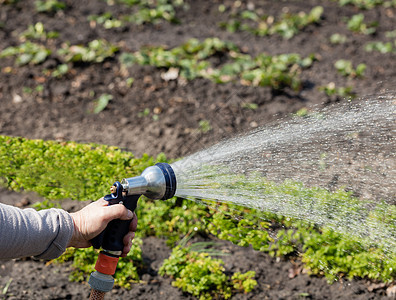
[[63, 111]]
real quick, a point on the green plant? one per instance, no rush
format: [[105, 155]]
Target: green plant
[[337, 38], [204, 126], [55, 170], [162, 9], [251, 106], [379, 46], [287, 26], [60, 70], [37, 32], [102, 103], [129, 81], [192, 60], [144, 113], [302, 112], [332, 90], [356, 24], [390, 34], [244, 281], [145, 12], [49, 6], [9, 2], [345, 68], [367, 4], [96, 51], [38, 89], [106, 19], [203, 276], [27, 53]]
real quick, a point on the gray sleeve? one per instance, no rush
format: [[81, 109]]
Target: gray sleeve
[[43, 234]]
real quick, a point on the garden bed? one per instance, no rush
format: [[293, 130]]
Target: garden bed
[[151, 110]]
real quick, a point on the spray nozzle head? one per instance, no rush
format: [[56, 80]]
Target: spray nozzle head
[[156, 182]]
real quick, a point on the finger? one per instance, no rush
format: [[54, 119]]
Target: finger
[[128, 238], [100, 202], [134, 222], [118, 211], [128, 245]]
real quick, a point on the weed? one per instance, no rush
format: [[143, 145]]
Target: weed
[[390, 34], [287, 26], [345, 68], [379, 47], [244, 282], [49, 6], [251, 106], [204, 126], [144, 113], [60, 70], [367, 4], [27, 53], [96, 51], [356, 24], [337, 38], [202, 276], [302, 112], [147, 12], [37, 32], [9, 2], [191, 59], [102, 102], [38, 89], [343, 92], [106, 19], [129, 81]]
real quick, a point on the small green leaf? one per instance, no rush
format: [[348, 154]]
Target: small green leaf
[[102, 103]]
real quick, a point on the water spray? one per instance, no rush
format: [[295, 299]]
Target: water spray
[[157, 182]]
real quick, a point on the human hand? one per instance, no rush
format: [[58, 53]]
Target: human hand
[[93, 219]]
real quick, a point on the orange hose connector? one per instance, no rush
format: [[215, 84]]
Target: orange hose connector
[[106, 264]]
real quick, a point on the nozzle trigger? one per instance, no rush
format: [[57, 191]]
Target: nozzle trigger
[[116, 195]]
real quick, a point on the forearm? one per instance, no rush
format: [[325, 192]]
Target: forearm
[[43, 234]]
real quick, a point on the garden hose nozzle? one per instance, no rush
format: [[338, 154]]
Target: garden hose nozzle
[[156, 182]]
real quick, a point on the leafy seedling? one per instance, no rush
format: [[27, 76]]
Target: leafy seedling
[[345, 68], [102, 103], [106, 20], [287, 25], [96, 51], [49, 6], [338, 38], [37, 32], [356, 24], [379, 47], [332, 90], [60, 70], [204, 126], [27, 53]]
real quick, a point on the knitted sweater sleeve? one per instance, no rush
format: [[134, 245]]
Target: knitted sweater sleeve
[[27, 232]]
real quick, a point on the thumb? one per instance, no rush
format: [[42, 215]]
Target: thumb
[[118, 211]]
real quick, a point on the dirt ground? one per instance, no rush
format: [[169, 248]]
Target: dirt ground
[[62, 110]]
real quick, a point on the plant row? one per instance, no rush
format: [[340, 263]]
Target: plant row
[[287, 26], [214, 59], [193, 60], [84, 172]]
